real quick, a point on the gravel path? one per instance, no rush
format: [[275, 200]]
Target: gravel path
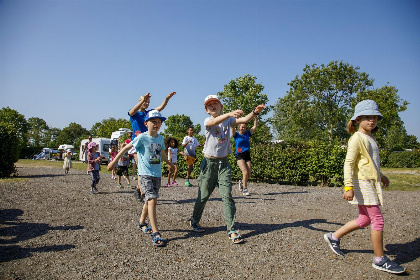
[[52, 228]]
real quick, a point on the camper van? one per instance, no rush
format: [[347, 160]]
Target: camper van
[[103, 148], [120, 132]]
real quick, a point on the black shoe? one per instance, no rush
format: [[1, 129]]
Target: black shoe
[[334, 245], [389, 266]]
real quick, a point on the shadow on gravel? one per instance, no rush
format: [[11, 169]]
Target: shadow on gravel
[[404, 253], [257, 229], [13, 231]]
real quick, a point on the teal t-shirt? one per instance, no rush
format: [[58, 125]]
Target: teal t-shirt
[[149, 154]]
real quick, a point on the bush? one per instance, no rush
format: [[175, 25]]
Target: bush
[[9, 151], [406, 159]]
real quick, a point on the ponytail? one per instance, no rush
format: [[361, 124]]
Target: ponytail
[[351, 127]]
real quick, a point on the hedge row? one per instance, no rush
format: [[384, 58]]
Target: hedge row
[[303, 164], [406, 159]]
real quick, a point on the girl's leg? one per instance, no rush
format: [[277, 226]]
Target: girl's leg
[[175, 171], [244, 168], [119, 179], [169, 174], [347, 228], [377, 242]]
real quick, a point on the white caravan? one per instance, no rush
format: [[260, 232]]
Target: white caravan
[[103, 147]]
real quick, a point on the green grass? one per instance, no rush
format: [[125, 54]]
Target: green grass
[[402, 179]]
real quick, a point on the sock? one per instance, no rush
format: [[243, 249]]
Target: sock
[[188, 179], [333, 237], [377, 259]]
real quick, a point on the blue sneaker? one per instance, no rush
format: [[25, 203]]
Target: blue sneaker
[[387, 265], [334, 245]]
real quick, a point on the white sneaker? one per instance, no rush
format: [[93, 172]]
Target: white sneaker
[[246, 193]]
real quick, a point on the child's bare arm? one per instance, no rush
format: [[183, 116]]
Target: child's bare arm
[[138, 105], [118, 156], [255, 125], [165, 102], [219, 119], [249, 117], [233, 130]]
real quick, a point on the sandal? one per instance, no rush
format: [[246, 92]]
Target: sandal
[[157, 240], [236, 239], [195, 226], [144, 227]]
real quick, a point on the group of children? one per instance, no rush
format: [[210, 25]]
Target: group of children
[[361, 169]]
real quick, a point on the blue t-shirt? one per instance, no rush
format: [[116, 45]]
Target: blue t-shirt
[[148, 154], [242, 142], [137, 123]]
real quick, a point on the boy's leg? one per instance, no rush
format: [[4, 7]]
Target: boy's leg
[[144, 214], [207, 181], [151, 208], [244, 168], [225, 189]]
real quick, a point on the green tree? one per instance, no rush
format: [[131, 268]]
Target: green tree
[[177, 125], [107, 126], [71, 134], [17, 122], [391, 134], [412, 142], [245, 93], [37, 129], [50, 137], [319, 101], [9, 148]]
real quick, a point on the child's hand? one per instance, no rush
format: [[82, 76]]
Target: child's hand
[[259, 108], [236, 113], [145, 97], [110, 166], [171, 94], [348, 195], [385, 181]]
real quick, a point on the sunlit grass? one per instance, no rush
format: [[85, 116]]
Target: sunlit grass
[[403, 179]]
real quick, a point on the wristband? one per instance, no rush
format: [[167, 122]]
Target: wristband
[[254, 112], [348, 188]]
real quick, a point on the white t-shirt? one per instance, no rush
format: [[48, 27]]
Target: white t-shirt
[[189, 149], [174, 153], [218, 138]]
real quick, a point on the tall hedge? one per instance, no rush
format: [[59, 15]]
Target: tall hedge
[[9, 150]]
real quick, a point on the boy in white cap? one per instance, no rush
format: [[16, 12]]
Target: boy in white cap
[[215, 169], [150, 148]]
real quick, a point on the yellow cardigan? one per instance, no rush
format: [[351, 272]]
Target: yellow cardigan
[[358, 164]]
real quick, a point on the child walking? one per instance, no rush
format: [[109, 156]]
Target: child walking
[[122, 168], [171, 145], [94, 165], [243, 153], [190, 143], [150, 149], [137, 116], [215, 169], [67, 161], [362, 180]]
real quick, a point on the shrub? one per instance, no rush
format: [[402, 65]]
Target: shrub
[[406, 159], [9, 151]]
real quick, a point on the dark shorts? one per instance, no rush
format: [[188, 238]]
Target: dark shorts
[[246, 156], [150, 186], [122, 170]]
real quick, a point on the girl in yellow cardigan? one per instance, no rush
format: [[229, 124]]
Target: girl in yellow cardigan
[[362, 179]]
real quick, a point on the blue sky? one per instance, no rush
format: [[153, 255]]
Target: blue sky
[[85, 61]]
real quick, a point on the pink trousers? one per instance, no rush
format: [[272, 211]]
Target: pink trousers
[[370, 215]]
